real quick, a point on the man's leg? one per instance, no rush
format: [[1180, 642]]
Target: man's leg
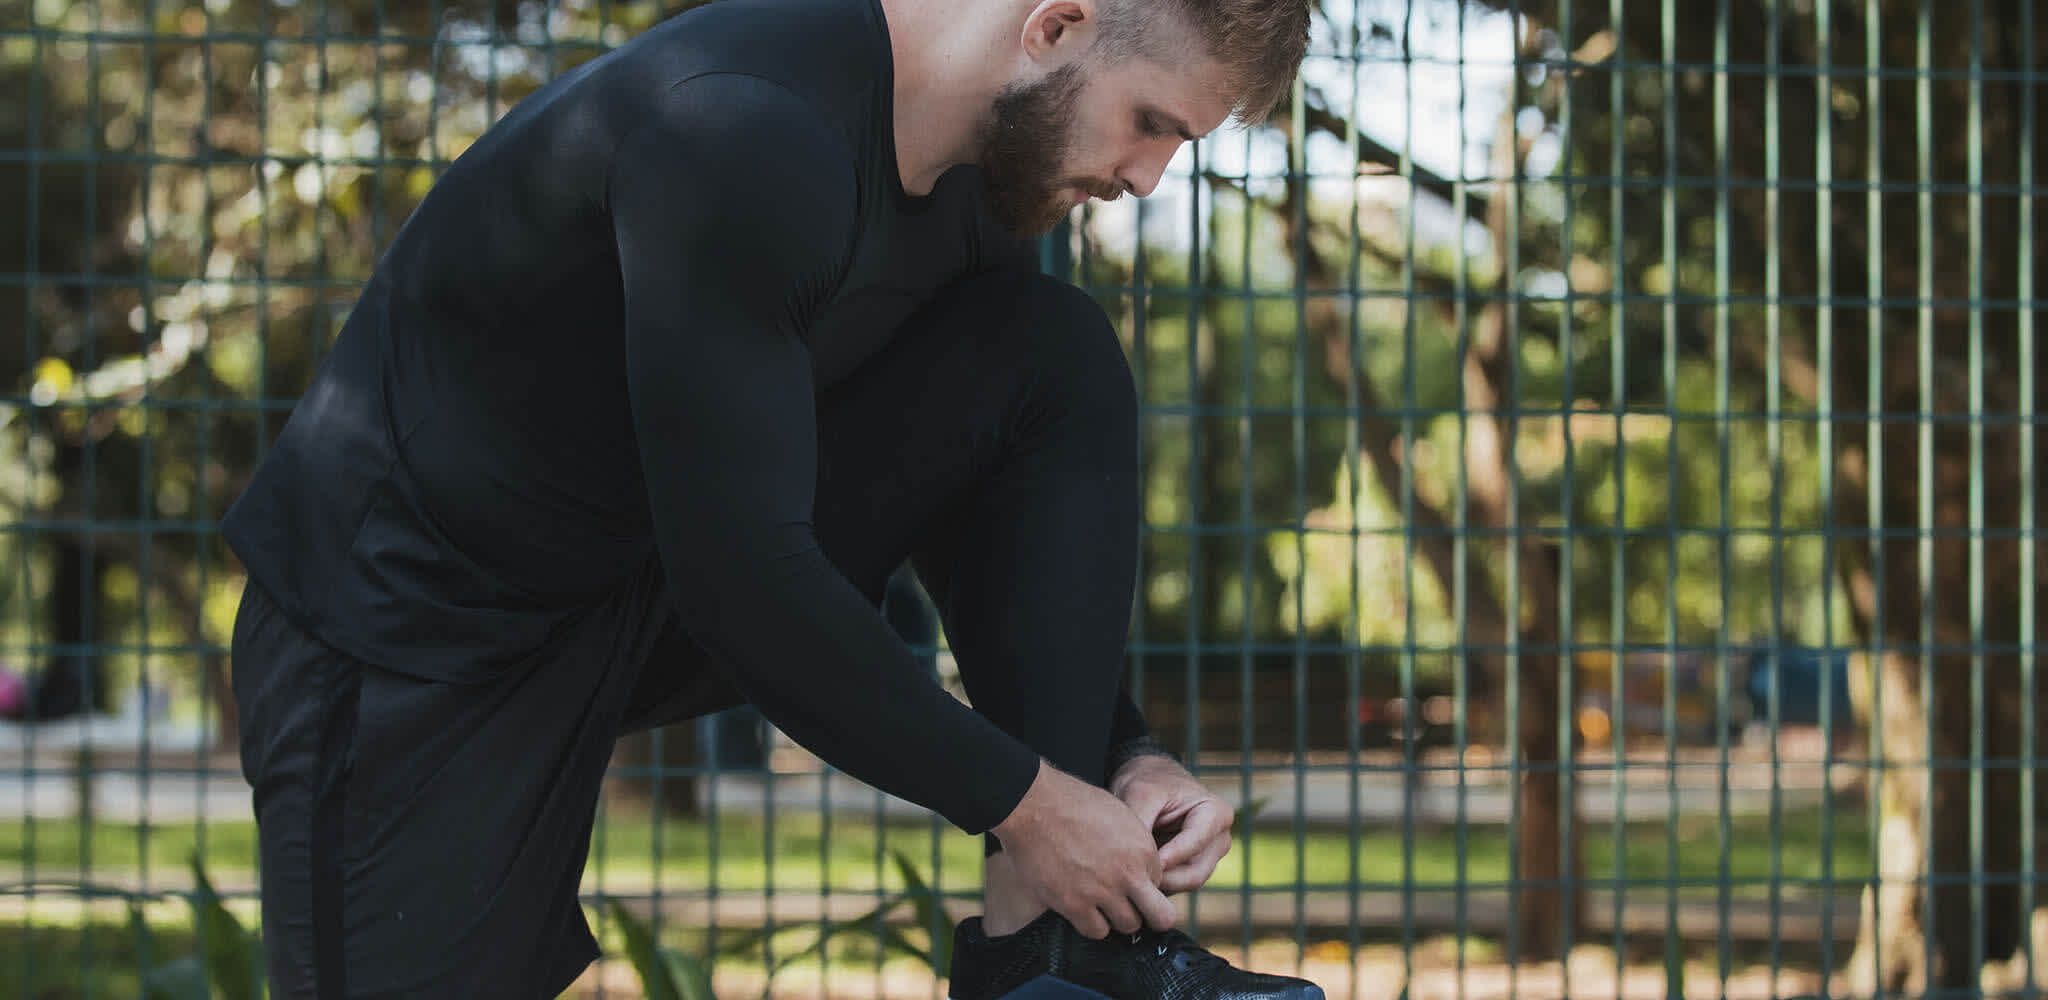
[[993, 443], [428, 839], [1030, 554], [996, 442]]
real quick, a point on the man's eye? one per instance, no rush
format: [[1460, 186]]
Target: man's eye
[[1151, 127]]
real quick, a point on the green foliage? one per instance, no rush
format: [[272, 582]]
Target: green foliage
[[931, 915], [1812, 844], [927, 907], [1241, 818], [245, 189], [925, 904], [665, 973], [229, 963]]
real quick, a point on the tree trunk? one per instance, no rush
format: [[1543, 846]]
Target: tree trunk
[[1945, 605], [1548, 863], [1939, 743], [1929, 548], [1384, 452], [1548, 866], [74, 680], [1548, 869], [1933, 558]]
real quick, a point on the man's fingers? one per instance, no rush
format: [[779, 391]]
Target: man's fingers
[[1158, 910], [1123, 917], [1206, 822], [1179, 809], [1195, 873], [1088, 922], [1184, 845]]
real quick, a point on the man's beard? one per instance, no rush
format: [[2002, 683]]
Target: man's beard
[[1023, 147]]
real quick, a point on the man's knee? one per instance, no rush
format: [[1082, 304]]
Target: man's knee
[[1065, 341]]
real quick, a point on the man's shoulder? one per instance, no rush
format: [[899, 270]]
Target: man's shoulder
[[832, 55]]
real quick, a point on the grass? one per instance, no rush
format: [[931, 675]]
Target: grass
[[801, 854], [94, 959], [53, 948], [98, 959], [1690, 853], [65, 848]]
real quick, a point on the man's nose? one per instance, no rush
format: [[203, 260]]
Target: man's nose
[[1142, 175]]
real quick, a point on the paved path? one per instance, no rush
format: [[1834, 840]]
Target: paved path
[[176, 780], [1799, 919], [184, 788]]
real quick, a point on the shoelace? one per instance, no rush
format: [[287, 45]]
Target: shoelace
[[1163, 944]]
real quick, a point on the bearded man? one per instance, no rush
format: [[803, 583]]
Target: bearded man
[[639, 412]]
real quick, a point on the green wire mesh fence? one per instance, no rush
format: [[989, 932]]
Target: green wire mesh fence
[[1590, 498]]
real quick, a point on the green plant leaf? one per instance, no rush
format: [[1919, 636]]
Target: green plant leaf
[[931, 913], [656, 980], [890, 939], [233, 958], [692, 978], [179, 979], [1240, 821], [749, 941], [894, 939], [145, 941], [858, 924]]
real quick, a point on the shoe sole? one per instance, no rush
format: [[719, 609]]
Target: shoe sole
[[1049, 988]]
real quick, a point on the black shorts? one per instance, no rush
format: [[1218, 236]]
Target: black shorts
[[426, 839]]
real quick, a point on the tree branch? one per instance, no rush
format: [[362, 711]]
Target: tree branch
[[1371, 152]]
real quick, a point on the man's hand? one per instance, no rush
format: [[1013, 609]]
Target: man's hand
[[1191, 824], [1083, 854]]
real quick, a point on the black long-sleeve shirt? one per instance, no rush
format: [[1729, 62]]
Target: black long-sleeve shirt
[[597, 341]]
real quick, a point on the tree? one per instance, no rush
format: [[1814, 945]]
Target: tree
[[199, 209], [1936, 461], [1866, 244]]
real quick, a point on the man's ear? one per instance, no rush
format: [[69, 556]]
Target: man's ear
[[1058, 30]]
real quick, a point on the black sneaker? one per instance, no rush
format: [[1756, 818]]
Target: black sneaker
[[1149, 965]]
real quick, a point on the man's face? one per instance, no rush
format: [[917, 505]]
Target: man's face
[[1086, 130]]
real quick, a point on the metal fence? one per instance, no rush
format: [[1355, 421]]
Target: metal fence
[[1589, 496]]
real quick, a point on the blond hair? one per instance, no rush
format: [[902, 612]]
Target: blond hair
[[1260, 43]]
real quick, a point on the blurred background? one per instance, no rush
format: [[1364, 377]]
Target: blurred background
[[1590, 516]]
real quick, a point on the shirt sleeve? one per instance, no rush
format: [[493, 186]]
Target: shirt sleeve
[[1127, 721], [734, 215]]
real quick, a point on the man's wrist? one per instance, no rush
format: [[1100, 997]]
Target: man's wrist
[[1020, 815], [1135, 749]]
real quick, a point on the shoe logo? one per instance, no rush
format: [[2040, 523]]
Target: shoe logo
[[1162, 950]]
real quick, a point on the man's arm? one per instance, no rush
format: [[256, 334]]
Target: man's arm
[[734, 215]]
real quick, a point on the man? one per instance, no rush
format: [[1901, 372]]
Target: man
[[639, 411]]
